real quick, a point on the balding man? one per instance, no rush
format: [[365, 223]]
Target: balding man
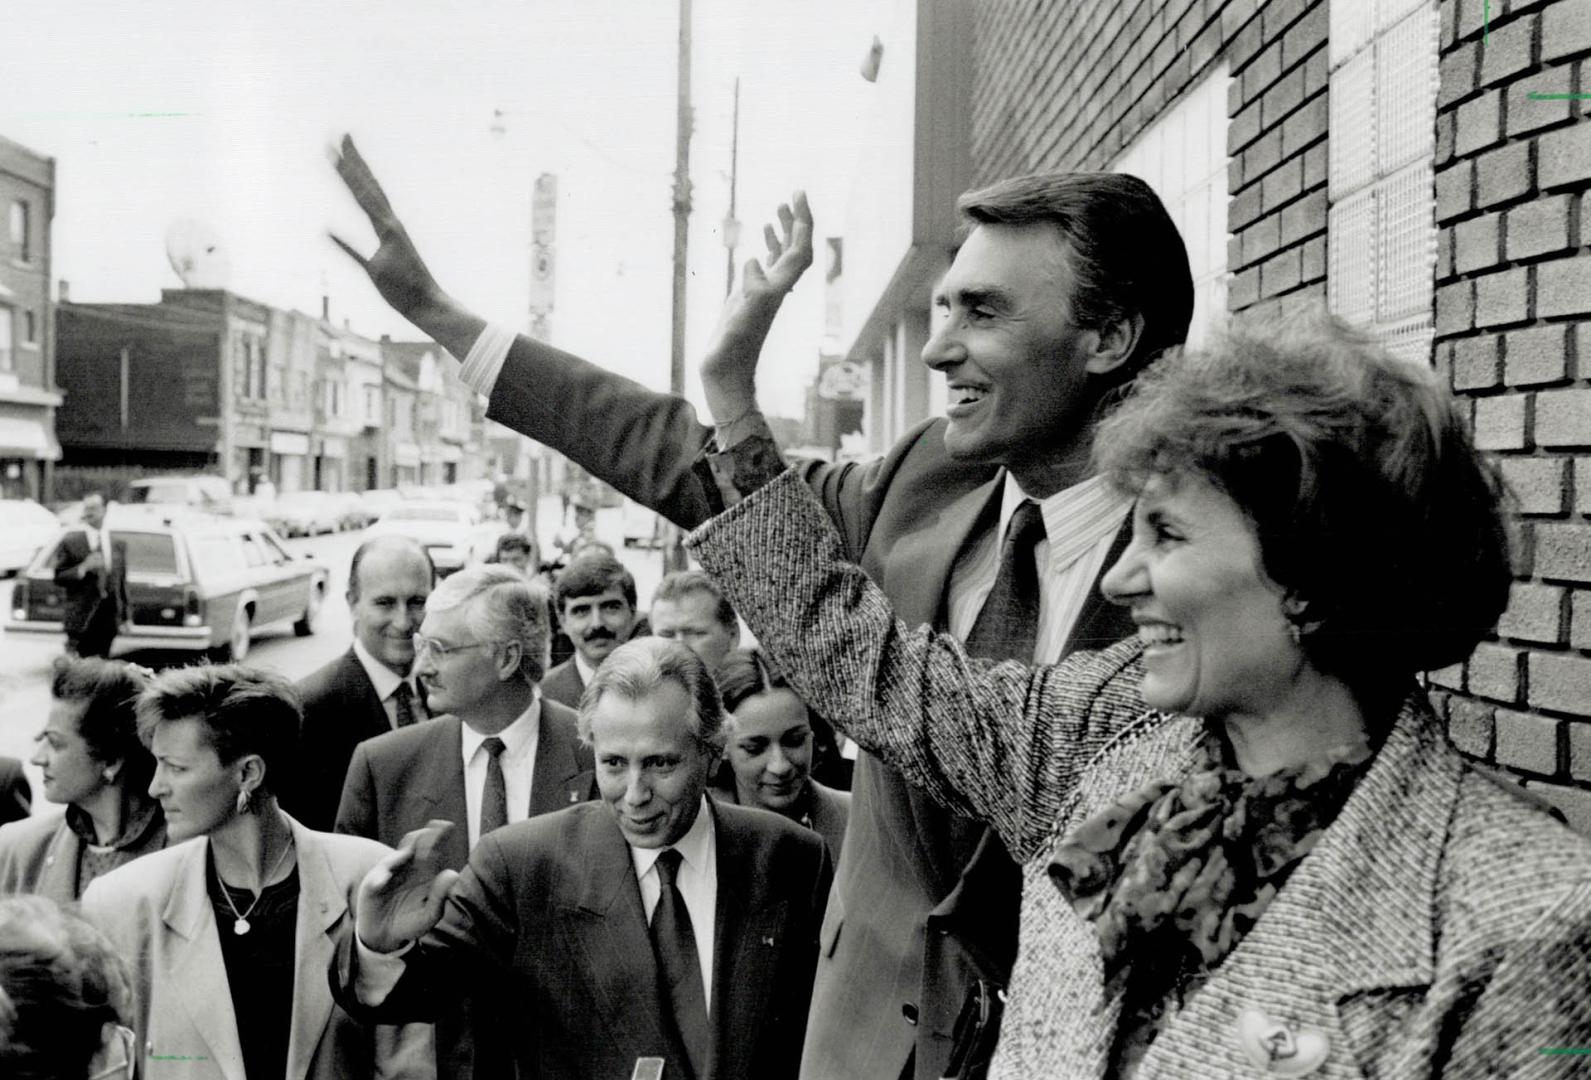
[[370, 689]]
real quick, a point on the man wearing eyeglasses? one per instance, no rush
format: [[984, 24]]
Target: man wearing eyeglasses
[[503, 752]]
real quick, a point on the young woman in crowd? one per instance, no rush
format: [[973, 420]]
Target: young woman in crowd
[[230, 931], [1248, 843], [769, 750], [94, 763]]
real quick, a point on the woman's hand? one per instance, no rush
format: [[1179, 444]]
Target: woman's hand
[[402, 895], [729, 370]]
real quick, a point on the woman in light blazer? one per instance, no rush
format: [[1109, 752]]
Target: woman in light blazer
[[230, 932], [94, 763], [1249, 847]]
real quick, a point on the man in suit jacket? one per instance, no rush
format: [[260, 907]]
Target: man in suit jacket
[[371, 688], [483, 648], [91, 567], [656, 925], [1067, 285], [16, 794], [596, 601]]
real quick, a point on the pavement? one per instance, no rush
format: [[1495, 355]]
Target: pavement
[[25, 660]]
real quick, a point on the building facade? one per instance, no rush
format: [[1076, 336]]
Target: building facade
[[1417, 167], [28, 396]]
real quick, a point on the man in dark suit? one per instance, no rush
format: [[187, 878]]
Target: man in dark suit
[[654, 925], [503, 752], [596, 602], [16, 794], [1066, 286], [370, 689], [91, 567]]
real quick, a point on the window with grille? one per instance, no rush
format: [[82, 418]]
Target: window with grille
[[22, 230], [1381, 231], [1182, 155]]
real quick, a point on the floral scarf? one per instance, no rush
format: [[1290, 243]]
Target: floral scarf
[[1186, 868]]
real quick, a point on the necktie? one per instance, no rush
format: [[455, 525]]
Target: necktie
[[403, 696], [678, 965], [494, 797], [1007, 627]]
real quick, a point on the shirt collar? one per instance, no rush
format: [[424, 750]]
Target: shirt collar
[[1075, 518], [383, 678], [587, 672], [694, 847], [516, 736]]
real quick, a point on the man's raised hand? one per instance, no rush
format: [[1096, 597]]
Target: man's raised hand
[[396, 269], [402, 896], [729, 370]]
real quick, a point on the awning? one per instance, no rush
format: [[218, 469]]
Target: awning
[[27, 437]]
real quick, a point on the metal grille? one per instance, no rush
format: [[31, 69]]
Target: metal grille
[[1352, 143], [1351, 258], [1406, 245], [1405, 97], [1353, 22]]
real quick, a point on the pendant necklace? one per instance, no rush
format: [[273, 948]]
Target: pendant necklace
[[241, 926]]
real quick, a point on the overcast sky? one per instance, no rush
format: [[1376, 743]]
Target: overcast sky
[[169, 109]]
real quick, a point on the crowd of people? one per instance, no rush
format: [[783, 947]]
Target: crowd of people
[[1131, 642]]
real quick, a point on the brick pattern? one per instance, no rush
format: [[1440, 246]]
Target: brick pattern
[[1513, 285], [1057, 86]]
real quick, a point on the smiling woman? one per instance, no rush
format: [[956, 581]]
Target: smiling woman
[[1247, 818]]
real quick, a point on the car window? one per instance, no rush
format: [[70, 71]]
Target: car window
[[422, 513], [217, 556], [275, 550], [149, 553], [159, 493], [254, 552]]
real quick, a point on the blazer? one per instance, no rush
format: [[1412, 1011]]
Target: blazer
[[157, 912], [16, 794], [925, 901], [39, 855], [83, 599], [828, 809], [1441, 925], [553, 905], [564, 685], [341, 710]]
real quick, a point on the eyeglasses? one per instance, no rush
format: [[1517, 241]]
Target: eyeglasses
[[442, 651], [129, 1063]]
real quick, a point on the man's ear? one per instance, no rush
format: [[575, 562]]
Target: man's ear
[[513, 659], [1115, 342]]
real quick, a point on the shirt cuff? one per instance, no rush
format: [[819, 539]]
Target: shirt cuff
[[377, 973], [485, 362], [746, 425]]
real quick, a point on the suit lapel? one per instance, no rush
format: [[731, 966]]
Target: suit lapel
[[555, 772], [357, 679], [440, 783], [1356, 918], [922, 559], [198, 973], [320, 908], [58, 880], [610, 930], [748, 926], [1101, 622]]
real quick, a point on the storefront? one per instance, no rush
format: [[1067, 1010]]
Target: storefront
[[27, 452]]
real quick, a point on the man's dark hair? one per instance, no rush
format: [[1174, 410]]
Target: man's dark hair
[[1123, 249], [683, 583], [243, 710], [512, 542], [590, 574], [384, 541]]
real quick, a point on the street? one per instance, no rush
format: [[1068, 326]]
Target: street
[[25, 662]]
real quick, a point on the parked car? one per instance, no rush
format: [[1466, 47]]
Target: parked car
[[378, 501], [27, 527], [452, 532], [351, 512], [208, 493], [195, 582], [305, 513]]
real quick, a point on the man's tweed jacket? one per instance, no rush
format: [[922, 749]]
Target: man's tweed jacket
[[1441, 927]]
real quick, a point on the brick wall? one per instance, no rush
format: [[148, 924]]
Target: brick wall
[[1513, 332], [1063, 86]]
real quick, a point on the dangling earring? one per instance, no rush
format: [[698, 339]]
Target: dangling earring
[[1296, 631], [107, 775], [245, 803]]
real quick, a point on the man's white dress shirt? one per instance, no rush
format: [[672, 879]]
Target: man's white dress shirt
[[386, 682], [519, 766]]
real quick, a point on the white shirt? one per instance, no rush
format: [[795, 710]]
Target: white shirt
[[99, 540], [519, 766], [386, 682], [587, 672], [485, 360], [1080, 522], [698, 884]]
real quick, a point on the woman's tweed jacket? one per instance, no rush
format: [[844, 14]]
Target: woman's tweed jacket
[[1441, 927]]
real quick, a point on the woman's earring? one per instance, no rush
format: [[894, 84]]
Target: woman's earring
[[245, 804], [1296, 631], [107, 775]]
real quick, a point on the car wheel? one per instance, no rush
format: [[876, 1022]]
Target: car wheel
[[236, 646], [305, 626]]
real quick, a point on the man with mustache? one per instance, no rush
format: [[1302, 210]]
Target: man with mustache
[[595, 598]]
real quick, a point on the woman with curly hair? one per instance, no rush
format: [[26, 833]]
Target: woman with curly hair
[[1249, 845]]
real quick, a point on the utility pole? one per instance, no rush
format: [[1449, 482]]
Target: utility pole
[[674, 557]]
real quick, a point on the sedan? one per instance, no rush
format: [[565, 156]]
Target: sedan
[[451, 532], [28, 527]]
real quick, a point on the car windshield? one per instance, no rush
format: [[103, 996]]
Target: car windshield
[[149, 553], [422, 513], [159, 493]]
